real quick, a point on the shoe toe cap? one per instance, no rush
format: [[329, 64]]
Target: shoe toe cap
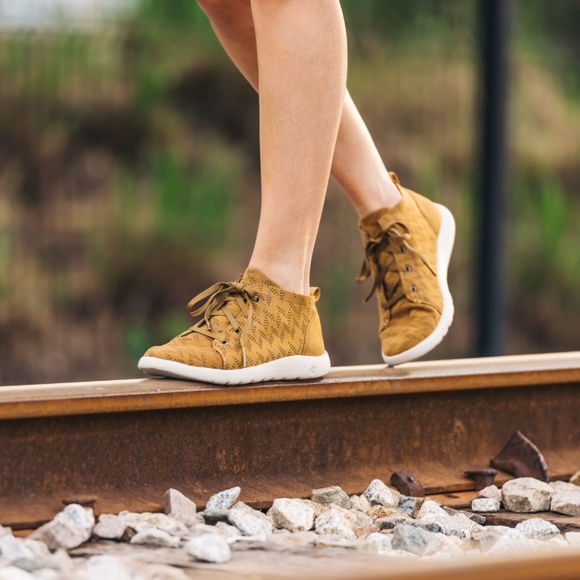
[[400, 336]]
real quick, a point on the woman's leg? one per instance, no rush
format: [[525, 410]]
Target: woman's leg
[[408, 239], [357, 165], [264, 326], [301, 52]]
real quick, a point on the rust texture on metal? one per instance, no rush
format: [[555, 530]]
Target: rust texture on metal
[[285, 444], [407, 484], [84, 500], [522, 458], [482, 477], [364, 381]]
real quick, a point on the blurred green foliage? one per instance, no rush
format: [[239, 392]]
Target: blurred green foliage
[[129, 177]]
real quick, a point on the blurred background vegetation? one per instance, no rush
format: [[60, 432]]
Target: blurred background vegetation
[[129, 176]]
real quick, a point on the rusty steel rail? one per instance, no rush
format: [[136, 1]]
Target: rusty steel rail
[[125, 442]]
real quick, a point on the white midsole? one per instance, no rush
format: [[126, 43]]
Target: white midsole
[[445, 241], [282, 369]]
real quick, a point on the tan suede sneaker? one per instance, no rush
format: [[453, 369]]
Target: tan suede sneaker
[[250, 330], [407, 252]]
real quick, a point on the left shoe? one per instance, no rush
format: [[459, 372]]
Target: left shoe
[[250, 330], [407, 252]]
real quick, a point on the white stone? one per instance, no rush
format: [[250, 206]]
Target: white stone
[[537, 529], [23, 553], [229, 532], [562, 486], [489, 535], [178, 506], [155, 537], [566, 501], [107, 567], [408, 505], [489, 492], [331, 495], [360, 503], [223, 500], [526, 495], [383, 543], [5, 531], [249, 521], [317, 508], [455, 525], [147, 520], [61, 562], [575, 479], [83, 517], [110, 527], [431, 512], [461, 526], [70, 528], [556, 542], [377, 493], [336, 522], [414, 540], [485, 504], [209, 548], [513, 541], [292, 515], [13, 573], [363, 524], [573, 538]]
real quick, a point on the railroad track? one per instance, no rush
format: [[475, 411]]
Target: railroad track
[[120, 444]]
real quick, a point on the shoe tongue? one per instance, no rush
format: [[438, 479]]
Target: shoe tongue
[[250, 277], [377, 221]]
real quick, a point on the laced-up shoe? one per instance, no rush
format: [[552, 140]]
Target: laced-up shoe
[[249, 330], [407, 251]]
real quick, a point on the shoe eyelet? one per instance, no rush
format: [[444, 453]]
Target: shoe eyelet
[[226, 341], [403, 249], [237, 330], [414, 288], [407, 268], [257, 300]]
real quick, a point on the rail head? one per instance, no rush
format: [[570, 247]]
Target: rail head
[[17, 402]]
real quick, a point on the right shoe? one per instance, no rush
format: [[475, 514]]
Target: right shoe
[[250, 330], [407, 252]]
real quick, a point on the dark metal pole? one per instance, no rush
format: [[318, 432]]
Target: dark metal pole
[[495, 20]]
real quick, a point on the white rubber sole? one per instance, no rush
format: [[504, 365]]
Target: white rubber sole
[[445, 241], [284, 369]]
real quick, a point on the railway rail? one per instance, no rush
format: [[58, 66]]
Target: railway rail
[[120, 444]]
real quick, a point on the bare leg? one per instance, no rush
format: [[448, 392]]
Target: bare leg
[[357, 165], [301, 48]]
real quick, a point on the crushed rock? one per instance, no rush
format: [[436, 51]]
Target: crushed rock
[[566, 501], [292, 515], [211, 548], [378, 493], [380, 521], [224, 500], [526, 495]]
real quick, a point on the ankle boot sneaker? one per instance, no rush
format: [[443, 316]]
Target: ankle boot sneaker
[[407, 251], [249, 330]]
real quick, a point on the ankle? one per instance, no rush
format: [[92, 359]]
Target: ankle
[[287, 278], [385, 195]]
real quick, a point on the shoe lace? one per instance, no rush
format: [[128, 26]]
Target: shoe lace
[[392, 239], [219, 299]]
